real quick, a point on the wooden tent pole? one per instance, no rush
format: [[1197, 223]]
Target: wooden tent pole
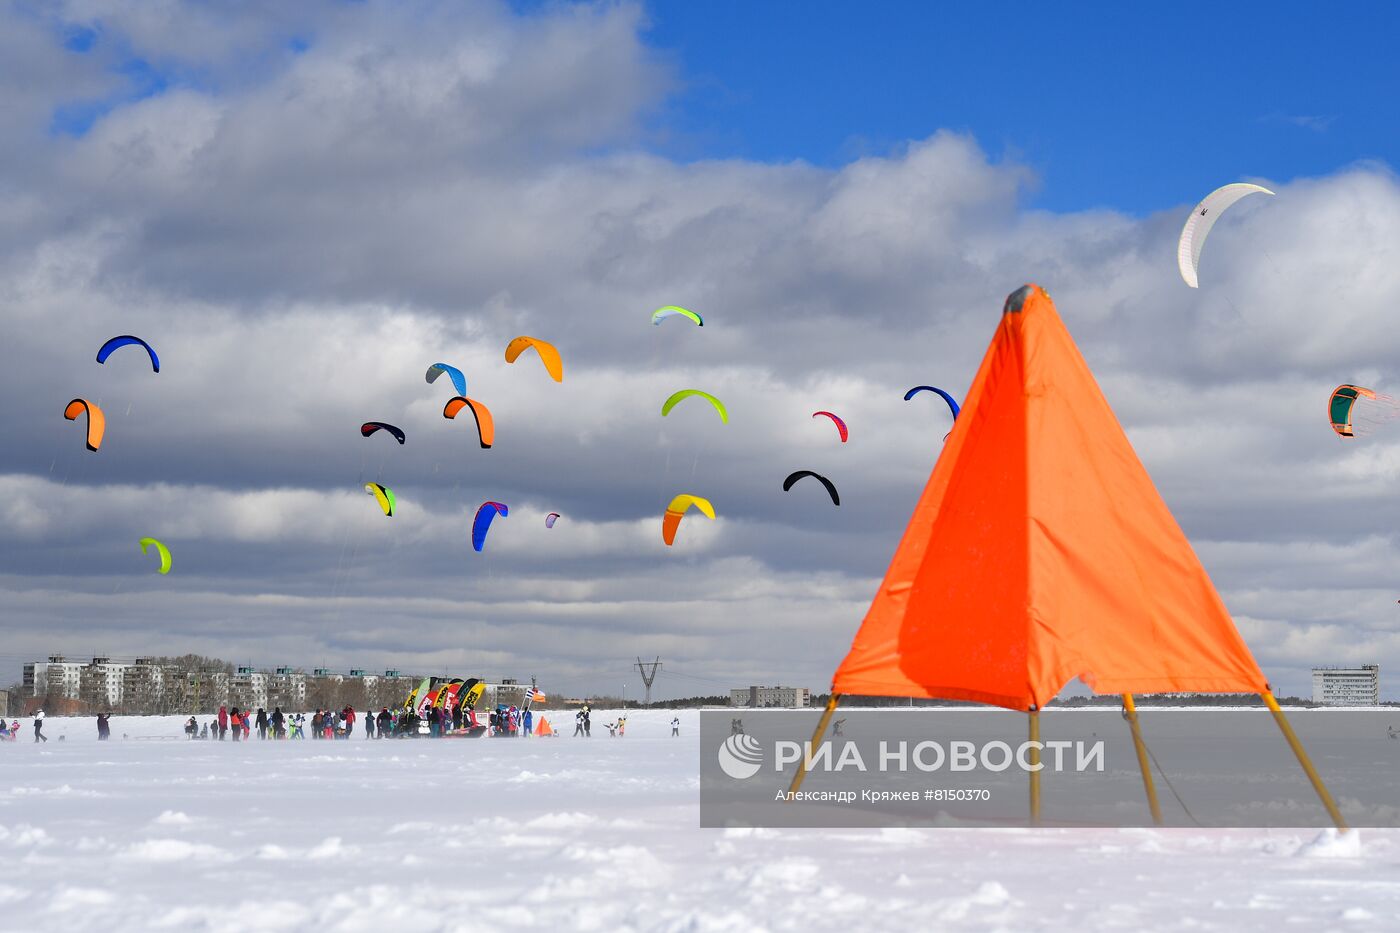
[[1034, 715], [816, 737], [1130, 713], [1303, 760]]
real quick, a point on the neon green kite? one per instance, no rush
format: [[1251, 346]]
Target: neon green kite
[[683, 394], [161, 549], [661, 314]]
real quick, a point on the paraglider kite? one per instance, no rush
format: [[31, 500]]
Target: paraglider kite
[[161, 549], [482, 523], [1356, 410], [485, 424], [126, 340], [370, 427], [830, 487], [661, 314], [952, 404], [96, 421], [459, 382], [840, 425], [384, 496], [678, 507], [549, 355], [677, 397], [1203, 217]]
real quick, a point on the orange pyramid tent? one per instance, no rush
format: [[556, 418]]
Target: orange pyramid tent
[[1040, 552], [544, 728]]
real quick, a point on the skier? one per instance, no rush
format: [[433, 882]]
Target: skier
[[223, 722], [675, 725], [261, 723], [39, 726]]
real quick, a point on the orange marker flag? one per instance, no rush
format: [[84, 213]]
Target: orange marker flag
[[1040, 551]]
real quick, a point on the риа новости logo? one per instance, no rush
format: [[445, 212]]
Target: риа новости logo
[[740, 756]]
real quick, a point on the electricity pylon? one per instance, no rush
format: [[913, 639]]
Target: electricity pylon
[[648, 670]]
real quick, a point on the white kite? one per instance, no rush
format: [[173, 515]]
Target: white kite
[[1203, 217]]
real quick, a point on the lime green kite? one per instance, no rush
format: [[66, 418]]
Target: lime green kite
[[683, 394], [161, 549]]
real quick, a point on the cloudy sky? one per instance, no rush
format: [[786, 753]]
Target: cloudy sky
[[303, 205]]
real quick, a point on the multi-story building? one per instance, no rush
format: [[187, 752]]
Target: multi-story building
[[56, 677], [102, 682], [248, 689], [1347, 686], [148, 686], [770, 697], [208, 690], [287, 689]]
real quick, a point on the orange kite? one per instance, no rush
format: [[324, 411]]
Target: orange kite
[[1040, 551]]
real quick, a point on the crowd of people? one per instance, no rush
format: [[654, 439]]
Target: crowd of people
[[432, 722], [231, 722]]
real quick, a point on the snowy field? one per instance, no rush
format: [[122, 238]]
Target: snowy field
[[157, 832]]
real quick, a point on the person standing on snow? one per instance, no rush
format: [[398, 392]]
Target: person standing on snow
[[386, 723], [275, 721], [578, 723], [369, 723], [675, 725], [587, 722], [529, 720], [235, 722], [104, 728], [261, 722], [39, 726], [223, 722]]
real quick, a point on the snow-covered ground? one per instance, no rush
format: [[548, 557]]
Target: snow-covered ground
[[157, 832]]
